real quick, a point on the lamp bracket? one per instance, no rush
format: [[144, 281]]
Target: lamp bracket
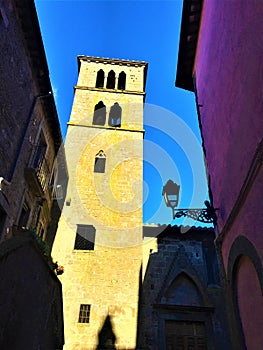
[[203, 215]]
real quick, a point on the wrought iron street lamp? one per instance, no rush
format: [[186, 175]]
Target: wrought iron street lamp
[[171, 196]]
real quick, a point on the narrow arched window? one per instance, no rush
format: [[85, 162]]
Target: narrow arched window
[[100, 162], [115, 115], [122, 81], [100, 79], [99, 116], [111, 80]]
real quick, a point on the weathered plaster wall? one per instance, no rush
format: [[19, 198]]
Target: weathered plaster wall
[[249, 221], [229, 70], [250, 304]]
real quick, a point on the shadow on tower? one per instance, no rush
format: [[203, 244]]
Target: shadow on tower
[[106, 336]]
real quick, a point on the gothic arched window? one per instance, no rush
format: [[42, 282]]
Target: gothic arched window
[[100, 162], [99, 116], [100, 79], [115, 115], [111, 80], [122, 81]]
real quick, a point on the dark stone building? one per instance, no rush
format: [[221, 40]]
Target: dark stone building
[[31, 162], [30, 137], [182, 298]]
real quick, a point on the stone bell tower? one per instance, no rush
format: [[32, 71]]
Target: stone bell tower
[[99, 237]]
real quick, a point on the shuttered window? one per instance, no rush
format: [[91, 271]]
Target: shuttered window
[[84, 313]]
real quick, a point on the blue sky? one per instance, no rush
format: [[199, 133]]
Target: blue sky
[[138, 30]]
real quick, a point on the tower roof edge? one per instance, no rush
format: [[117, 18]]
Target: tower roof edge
[[112, 60]]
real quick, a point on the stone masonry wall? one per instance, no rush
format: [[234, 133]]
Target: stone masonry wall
[[22, 117], [108, 277], [160, 302]]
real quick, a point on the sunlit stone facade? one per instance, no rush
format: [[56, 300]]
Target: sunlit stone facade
[[100, 231]]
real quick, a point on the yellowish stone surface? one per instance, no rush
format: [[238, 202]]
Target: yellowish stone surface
[[107, 277]]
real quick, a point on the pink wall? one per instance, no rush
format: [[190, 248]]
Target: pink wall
[[229, 71], [229, 83], [249, 221], [250, 304]]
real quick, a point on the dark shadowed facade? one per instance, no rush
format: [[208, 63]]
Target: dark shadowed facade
[[30, 194], [30, 297], [182, 298], [220, 59], [30, 132]]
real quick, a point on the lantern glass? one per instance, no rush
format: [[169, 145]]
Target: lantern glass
[[171, 194]]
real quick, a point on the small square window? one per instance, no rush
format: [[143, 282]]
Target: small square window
[[84, 313], [85, 237], [99, 166]]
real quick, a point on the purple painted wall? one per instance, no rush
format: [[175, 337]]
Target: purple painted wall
[[250, 304], [229, 73], [229, 80]]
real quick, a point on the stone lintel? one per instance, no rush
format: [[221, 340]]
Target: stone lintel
[[109, 90]]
